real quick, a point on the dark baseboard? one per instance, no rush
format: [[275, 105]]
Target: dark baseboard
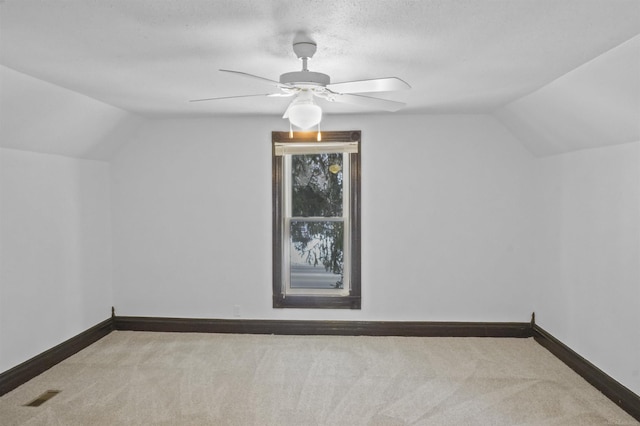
[[619, 394], [337, 328], [29, 369], [616, 392]]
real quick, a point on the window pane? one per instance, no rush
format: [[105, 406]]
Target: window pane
[[316, 254], [316, 188]]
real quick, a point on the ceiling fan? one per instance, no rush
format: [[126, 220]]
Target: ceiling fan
[[305, 85]]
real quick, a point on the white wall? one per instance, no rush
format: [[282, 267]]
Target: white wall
[[55, 261], [445, 217], [459, 223], [588, 256]]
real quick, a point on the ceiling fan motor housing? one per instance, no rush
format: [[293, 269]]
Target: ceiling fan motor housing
[[305, 77]]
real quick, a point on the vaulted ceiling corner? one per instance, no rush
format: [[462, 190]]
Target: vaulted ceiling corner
[[596, 104]]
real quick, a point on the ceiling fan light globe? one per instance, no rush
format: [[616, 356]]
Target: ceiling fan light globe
[[305, 116]]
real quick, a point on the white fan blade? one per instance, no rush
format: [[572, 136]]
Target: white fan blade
[[367, 101], [244, 74], [387, 84], [233, 97], [281, 95]]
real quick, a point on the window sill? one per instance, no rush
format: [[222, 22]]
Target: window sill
[[317, 302]]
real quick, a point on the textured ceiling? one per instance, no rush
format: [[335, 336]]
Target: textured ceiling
[[460, 56]]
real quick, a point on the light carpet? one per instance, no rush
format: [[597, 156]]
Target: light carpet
[[140, 378]]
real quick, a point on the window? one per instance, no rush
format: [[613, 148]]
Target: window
[[316, 220]]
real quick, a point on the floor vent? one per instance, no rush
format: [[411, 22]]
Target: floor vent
[[42, 398]]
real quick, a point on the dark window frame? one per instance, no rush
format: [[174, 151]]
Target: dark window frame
[[353, 300]]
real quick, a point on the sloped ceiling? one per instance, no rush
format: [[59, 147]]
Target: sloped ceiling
[[149, 57], [595, 105], [42, 117]]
